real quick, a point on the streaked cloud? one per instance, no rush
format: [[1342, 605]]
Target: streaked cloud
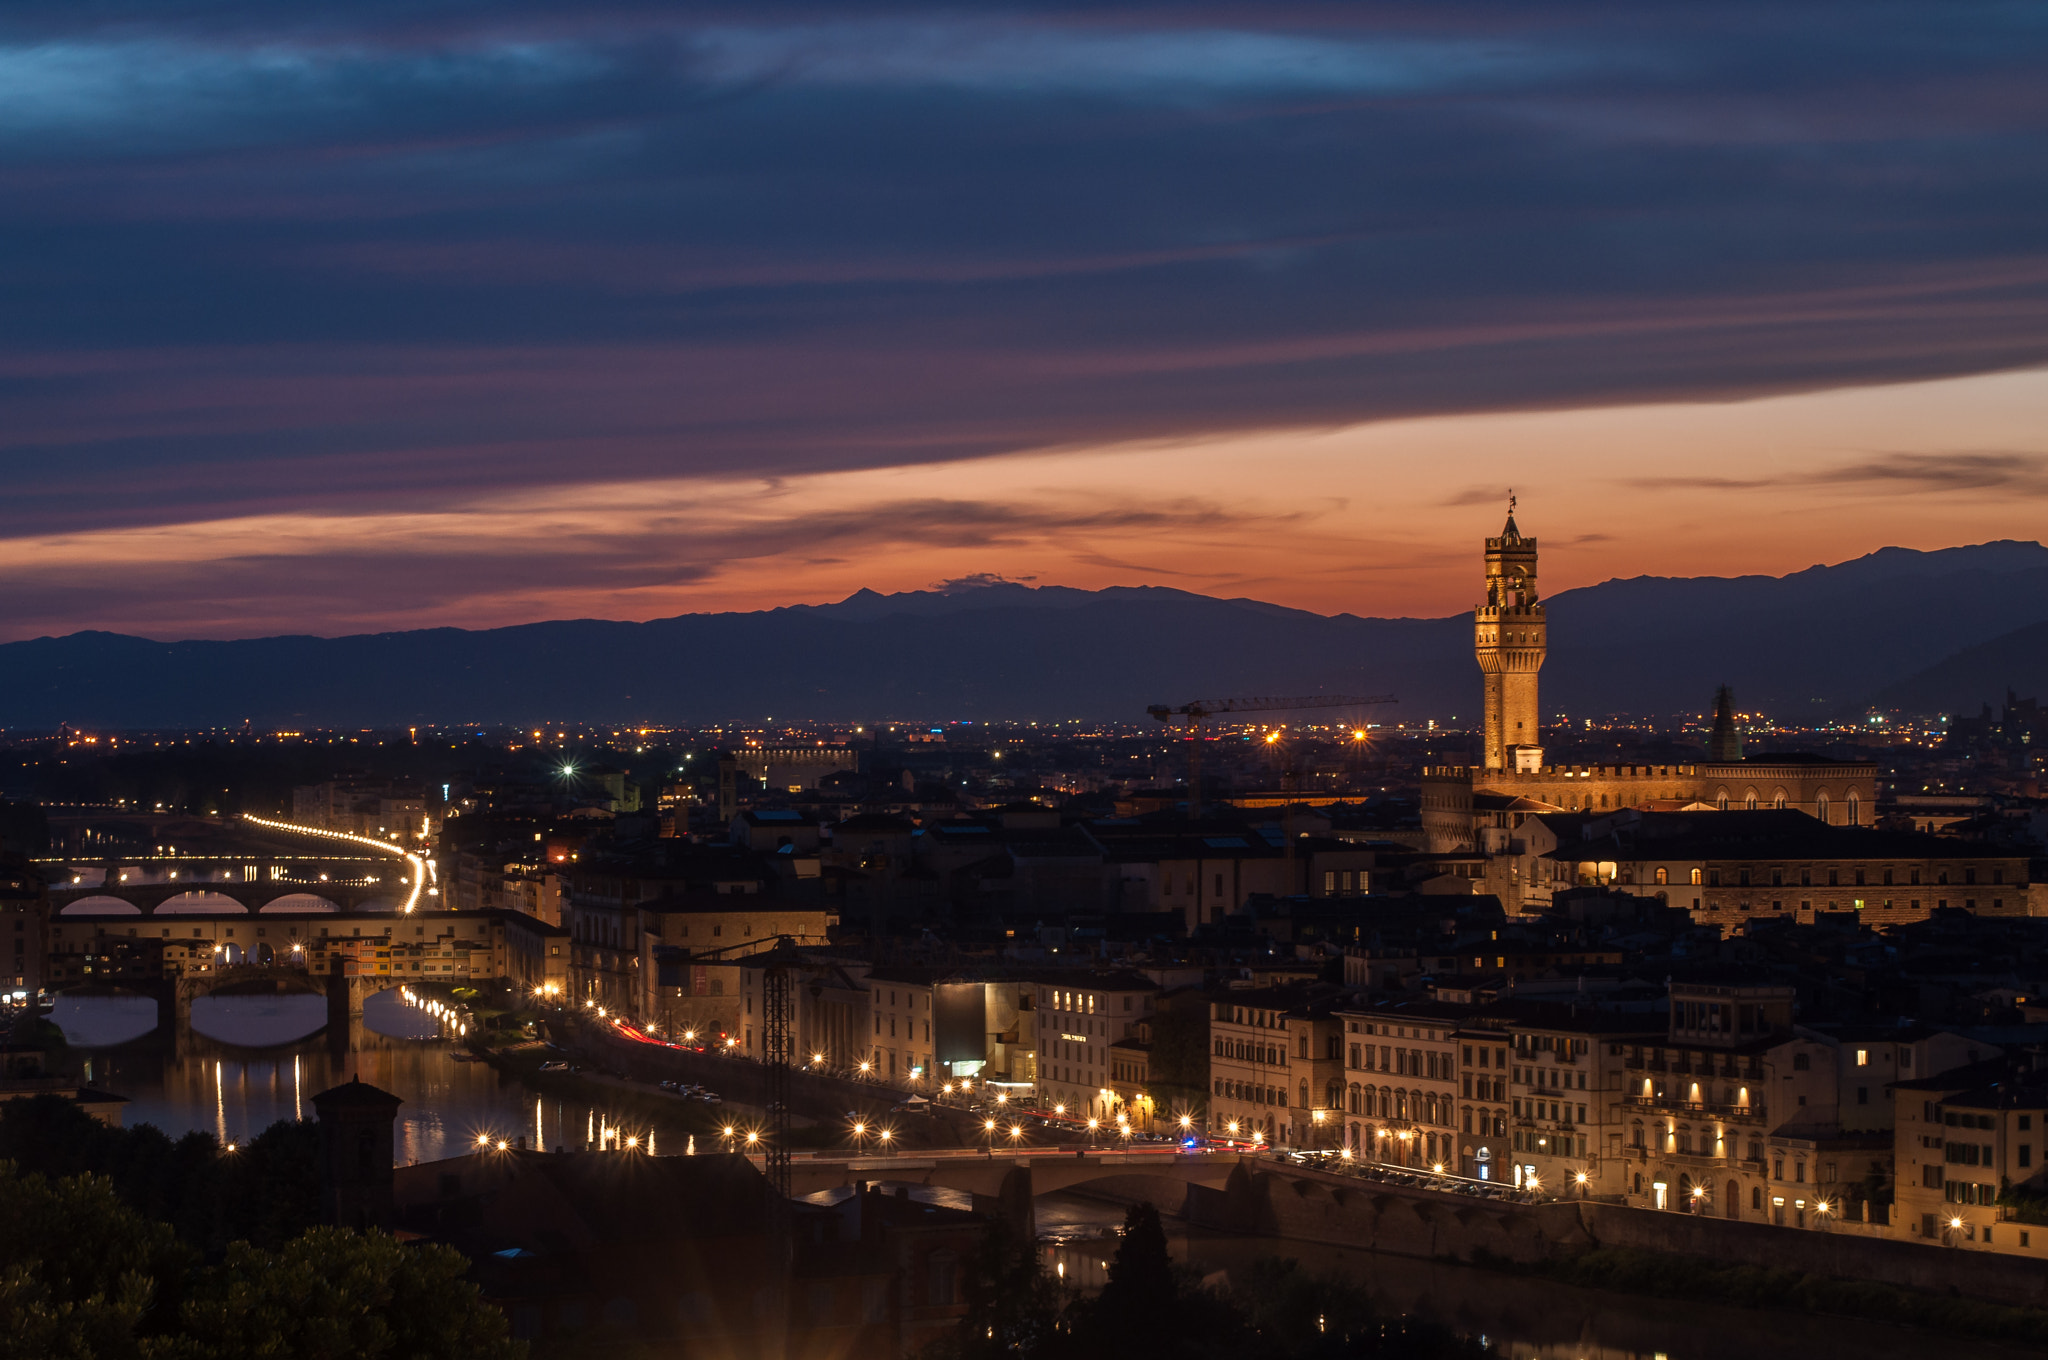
[[496, 301]]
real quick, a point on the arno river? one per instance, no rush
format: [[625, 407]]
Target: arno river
[[246, 1062]]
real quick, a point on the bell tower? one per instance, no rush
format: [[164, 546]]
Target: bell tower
[[1508, 636]]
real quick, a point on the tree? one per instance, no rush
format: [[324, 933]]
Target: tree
[[334, 1294], [1149, 1305], [80, 1271], [1013, 1306], [266, 1192]]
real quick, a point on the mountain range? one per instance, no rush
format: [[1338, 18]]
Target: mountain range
[[1925, 631]]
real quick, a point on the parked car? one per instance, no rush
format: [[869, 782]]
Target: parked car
[[554, 1067]]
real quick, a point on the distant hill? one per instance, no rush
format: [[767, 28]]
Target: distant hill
[[1812, 643], [1977, 675]]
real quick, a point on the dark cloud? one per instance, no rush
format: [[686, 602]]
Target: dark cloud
[[352, 256], [2023, 474]]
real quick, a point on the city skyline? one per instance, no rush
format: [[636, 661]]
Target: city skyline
[[361, 319]]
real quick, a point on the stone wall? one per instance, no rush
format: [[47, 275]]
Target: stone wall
[[1311, 1206], [1343, 1211], [1967, 1273]]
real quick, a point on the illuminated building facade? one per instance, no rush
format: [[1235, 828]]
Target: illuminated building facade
[[1509, 638]]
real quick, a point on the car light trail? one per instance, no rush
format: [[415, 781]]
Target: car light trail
[[418, 862]]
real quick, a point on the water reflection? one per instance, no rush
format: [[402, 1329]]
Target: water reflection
[[236, 1081], [259, 1021], [103, 1021], [1523, 1319]]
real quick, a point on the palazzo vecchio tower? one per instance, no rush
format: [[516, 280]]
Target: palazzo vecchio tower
[[1508, 636]]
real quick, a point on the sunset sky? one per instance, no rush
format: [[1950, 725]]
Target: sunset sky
[[324, 318]]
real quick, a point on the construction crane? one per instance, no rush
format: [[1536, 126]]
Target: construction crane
[[1191, 715]]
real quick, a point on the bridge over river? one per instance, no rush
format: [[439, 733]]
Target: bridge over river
[[276, 867]]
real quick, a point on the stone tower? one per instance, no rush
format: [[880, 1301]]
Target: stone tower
[[1724, 743], [1508, 635], [356, 1154]]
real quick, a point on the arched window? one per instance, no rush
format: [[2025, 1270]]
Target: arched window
[[1778, 799], [1749, 801], [1695, 878], [1721, 801], [1663, 875], [1855, 808], [1820, 805]]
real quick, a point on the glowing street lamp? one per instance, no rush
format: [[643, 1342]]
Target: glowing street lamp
[[988, 1127]]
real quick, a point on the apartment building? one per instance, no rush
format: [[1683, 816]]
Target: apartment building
[[1080, 1018], [900, 1010], [1566, 1081], [1969, 1148], [24, 931], [1401, 1077], [1275, 1070]]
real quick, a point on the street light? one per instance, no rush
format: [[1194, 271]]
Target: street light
[[885, 1135], [988, 1127]]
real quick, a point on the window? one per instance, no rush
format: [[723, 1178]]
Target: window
[[1696, 878], [942, 1272], [1863, 1057]]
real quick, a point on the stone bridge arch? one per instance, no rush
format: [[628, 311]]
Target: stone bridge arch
[[1162, 1178], [177, 899], [299, 902], [99, 904]]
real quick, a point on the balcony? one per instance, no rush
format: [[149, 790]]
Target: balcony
[[1672, 1104]]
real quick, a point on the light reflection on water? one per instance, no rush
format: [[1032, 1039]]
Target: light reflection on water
[[208, 1081], [1522, 1318]]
